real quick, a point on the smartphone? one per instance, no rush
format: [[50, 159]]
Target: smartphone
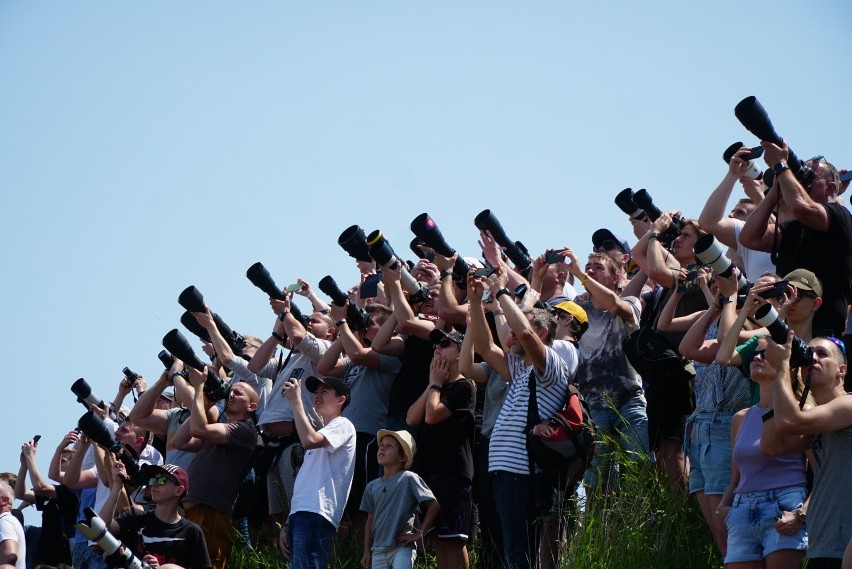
[[755, 153], [553, 257], [483, 272], [777, 290], [36, 439], [295, 287], [370, 286], [486, 296], [846, 176]]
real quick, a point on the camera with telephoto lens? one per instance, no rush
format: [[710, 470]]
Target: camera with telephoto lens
[[415, 244], [193, 301], [425, 228], [383, 254], [755, 119], [83, 391], [94, 427], [643, 199], [95, 529], [354, 242], [515, 250], [176, 343], [711, 252], [624, 201], [356, 317], [166, 359], [260, 277], [801, 354]]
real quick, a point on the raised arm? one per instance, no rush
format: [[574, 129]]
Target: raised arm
[[520, 325], [797, 198], [54, 470], [308, 436], [713, 218], [603, 297], [478, 330], [144, 413]]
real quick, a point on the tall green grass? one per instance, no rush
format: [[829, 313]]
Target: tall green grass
[[640, 522]]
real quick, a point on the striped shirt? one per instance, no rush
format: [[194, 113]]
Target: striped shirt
[[508, 448]]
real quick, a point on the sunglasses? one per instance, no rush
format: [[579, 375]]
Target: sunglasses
[[445, 343], [838, 343], [760, 353], [609, 245], [159, 480]]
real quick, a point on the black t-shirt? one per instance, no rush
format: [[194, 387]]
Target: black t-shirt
[[53, 547], [448, 445], [828, 254], [181, 543], [412, 377]]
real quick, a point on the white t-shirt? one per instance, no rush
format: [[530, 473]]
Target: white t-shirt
[[323, 483], [10, 528], [755, 262]]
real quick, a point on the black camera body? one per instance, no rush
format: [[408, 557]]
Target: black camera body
[[356, 317], [639, 205], [94, 427]]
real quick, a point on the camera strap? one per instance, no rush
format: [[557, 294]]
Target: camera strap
[[773, 255], [805, 391]]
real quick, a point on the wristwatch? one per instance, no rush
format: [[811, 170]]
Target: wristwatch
[[339, 323], [435, 386], [780, 167], [282, 314], [501, 292]]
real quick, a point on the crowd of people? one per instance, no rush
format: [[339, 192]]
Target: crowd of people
[[400, 415]]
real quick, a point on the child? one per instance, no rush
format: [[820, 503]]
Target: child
[[390, 503]]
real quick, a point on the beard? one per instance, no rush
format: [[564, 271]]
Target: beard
[[517, 349]]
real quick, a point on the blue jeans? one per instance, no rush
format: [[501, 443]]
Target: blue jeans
[[84, 558], [751, 524], [514, 498], [630, 423], [707, 443], [310, 536]]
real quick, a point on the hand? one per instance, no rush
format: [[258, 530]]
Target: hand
[[640, 227], [738, 164], [151, 560], [475, 288], [753, 189], [773, 154], [788, 524], [723, 511], [292, 390], [492, 251], [787, 301], [573, 264], [283, 544], [663, 222], [102, 412], [779, 354], [704, 284], [208, 348], [279, 305], [177, 366], [408, 537], [367, 558], [197, 378], [118, 472], [728, 285], [439, 371], [445, 263], [71, 438], [426, 272], [306, 289], [204, 318], [542, 429], [140, 385], [337, 313], [124, 386], [28, 450], [539, 270]]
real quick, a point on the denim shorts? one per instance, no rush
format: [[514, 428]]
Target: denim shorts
[[751, 524], [707, 443]]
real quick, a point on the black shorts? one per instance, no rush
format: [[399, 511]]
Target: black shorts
[[453, 493], [669, 404]]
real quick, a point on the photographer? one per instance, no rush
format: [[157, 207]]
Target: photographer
[[669, 398], [826, 428], [276, 422], [224, 452], [159, 537], [813, 231]]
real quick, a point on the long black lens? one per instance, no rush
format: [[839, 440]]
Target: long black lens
[[329, 287], [191, 299], [354, 242], [426, 229], [166, 358], [83, 391], [176, 343], [260, 277], [487, 221], [643, 199], [800, 354], [94, 427], [624, 201], [190, 323]]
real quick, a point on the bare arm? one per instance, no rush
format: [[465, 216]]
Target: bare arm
[[331, 363], [54, 471], [406, 321], [145, 415], [200, 427], [603, 297], [802, 206], [758, 233], [713, 218], [478, 329], [308, 436], [693, 345]]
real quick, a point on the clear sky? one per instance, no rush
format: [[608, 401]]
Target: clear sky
[[148, 146]]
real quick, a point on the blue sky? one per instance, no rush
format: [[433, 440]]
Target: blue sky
[[145, 147]]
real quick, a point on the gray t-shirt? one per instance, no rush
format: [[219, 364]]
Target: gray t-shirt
[[603, 370], [495, 393], [174, 419], [370, 389], [393, 503], [829, 522]]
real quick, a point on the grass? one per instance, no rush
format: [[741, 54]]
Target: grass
[[642, 523]]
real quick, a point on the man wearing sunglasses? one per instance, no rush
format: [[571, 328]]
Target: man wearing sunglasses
[[813, 232], [159, 536], [826, 428]]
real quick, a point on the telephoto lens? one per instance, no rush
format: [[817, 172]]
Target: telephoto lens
[[176, 343], [801, 354], [515, 250], [83, 391], [356, 317], [260, 277]]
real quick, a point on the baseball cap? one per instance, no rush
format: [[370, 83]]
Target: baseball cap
[[601, 235], [405, 440], [456, 338], [338, 385], [574, 310], [171, 471], [804, 279]]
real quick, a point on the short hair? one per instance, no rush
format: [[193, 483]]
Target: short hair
[[695, 225], [541, 318], [9, 478], [379, 311], [253, 341], [830, 170], [607, 261], [746, 201], [837, 348]]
